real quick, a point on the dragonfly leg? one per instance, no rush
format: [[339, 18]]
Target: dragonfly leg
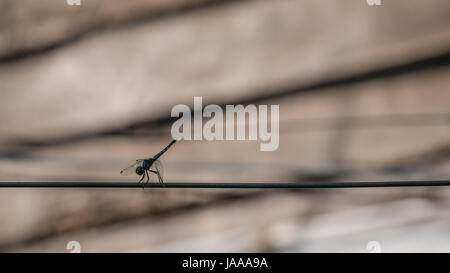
[[160, 180], [158, 174], [148, 177], [142, 178]]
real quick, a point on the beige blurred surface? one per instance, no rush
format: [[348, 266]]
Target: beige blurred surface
[[114, 65], [225, 53]]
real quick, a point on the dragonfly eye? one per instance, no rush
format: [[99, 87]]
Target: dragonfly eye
[[140, 170]]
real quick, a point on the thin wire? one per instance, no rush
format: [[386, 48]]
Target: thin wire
[[225, 184]]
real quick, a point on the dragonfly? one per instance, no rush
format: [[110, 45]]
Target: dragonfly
[[152, 165]]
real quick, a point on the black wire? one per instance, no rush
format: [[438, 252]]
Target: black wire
[[301, 185]]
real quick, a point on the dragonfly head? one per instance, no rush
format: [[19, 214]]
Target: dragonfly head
[[139, 170]]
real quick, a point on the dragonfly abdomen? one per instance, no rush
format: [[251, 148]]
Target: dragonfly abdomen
[[164, 150]]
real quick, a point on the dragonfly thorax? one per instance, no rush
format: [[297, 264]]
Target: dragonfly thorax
[[146, 164]]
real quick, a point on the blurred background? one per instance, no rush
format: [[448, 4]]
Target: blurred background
[[364, 95]]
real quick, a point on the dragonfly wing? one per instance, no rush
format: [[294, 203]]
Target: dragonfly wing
[[131, 169], [158, 174]]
